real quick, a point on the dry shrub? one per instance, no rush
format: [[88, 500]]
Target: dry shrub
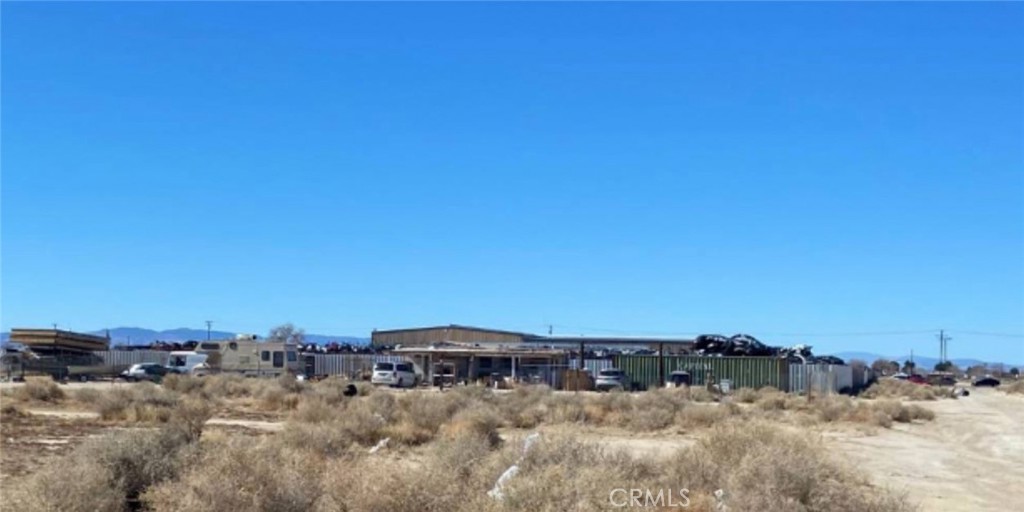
[[190, 416], [229, 385], [40, 389], [763, 467], [895, 388], [106, 473], [479, 422], [9, 410], [67, 488], [88, 396], [1014, 388], [701, 394], [241, 474], [746, 395], [332, 390], [522, 407], [771, 399], [705, 415], [184, 384], [143, 402]]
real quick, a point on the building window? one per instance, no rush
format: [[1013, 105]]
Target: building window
[[265, 355], [278, 359]]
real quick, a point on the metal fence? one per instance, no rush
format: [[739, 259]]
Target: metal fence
[[348, 365], [592, 365], [744, 372], [824, 379], [115, 358]]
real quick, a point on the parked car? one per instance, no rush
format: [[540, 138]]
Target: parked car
[[153, 372], [399, 375], [612, 378], [918, 379], [986, 381]]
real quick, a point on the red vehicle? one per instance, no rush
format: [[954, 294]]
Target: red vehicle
[[918, 379]]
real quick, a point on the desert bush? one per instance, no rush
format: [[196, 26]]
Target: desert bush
[[67, 488], [87, 396], [1013, 388], [746, 395], [763, 467], [241, 474], [185, 384], [40, 389], [106, 473], [705, 415], [143, 402], [190, 416], [478, 422], [894, 388], [701, 394], [9, 410]]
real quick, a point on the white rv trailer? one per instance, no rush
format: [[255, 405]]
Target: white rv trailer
[[248, 357]]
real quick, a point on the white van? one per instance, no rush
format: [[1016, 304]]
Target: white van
[[400, 375], [185, 361]]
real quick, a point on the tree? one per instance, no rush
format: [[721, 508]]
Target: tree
[[946, 366], [908, 367], [978, 370], [885, 367], [286, 333]]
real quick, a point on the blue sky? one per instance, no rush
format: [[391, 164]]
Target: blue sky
[[799, 172]]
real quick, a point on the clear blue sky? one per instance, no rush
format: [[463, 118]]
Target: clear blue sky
[[664, 168]]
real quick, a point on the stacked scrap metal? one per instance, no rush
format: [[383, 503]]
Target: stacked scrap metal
[[745, 345]]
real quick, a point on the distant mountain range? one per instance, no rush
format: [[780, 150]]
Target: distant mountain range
[[141, 336], [920, 361]]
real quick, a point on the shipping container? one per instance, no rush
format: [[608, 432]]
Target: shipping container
[[744, 372]]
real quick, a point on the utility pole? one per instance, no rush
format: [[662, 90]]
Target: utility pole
[[209, 324], [943, 345]]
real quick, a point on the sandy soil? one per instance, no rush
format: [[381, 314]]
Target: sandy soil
[[970, 458]]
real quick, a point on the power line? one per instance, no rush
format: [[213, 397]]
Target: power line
[[995, 334]]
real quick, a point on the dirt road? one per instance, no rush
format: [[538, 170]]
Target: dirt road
[[970, 458]]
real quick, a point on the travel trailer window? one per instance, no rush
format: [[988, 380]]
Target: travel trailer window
[[265, 355], [278, 359], [292, 356], [209, 346]]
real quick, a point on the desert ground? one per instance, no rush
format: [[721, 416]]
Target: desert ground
[[968, 455]]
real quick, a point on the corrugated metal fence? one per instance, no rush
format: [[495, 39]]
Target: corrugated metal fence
[[825, 379], [347, 364], [117, 358], [592, 365], [745, 372]]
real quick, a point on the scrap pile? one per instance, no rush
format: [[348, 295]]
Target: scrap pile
[[747, 345]]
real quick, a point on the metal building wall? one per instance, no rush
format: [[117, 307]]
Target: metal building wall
[[824, 378], [744, 372]]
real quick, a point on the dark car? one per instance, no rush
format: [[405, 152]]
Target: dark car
[[145, 371], [986, 381]]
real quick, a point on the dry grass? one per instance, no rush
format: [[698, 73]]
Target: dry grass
[[107, 473], [762, 467], [1013, 388], [143, 402], [893, 388], [39, 389]]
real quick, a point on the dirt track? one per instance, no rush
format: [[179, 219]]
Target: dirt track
[[970, 458]]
